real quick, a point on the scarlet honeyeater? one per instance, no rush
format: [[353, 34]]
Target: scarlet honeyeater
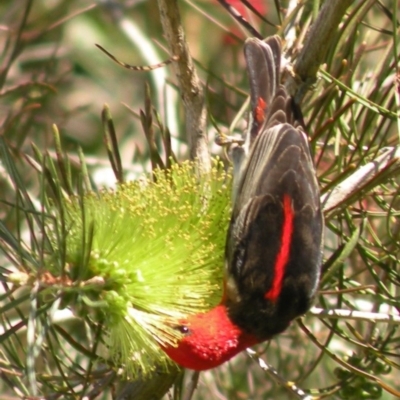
[[273, 247]]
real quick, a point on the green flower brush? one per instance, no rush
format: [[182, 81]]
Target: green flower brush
[[148, 254]]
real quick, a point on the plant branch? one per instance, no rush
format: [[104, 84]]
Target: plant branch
[[351, 185], [316, 46], [290, 386], [355, 315], [191, 88]]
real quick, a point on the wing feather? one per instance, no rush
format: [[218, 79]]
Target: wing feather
[[277, 166]]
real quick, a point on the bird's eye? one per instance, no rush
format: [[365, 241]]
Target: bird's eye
[[183, 329]]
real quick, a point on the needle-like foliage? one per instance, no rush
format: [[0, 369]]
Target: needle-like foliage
[[94, 279]]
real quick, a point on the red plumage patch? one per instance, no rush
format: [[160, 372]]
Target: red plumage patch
[[259, 112], [212, 339], [284, 251]]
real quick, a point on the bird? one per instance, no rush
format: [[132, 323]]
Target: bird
[[273, 250]]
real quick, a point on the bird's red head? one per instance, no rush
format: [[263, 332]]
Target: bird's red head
[[210, 339]]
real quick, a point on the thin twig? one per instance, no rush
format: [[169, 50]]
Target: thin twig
[[192, 386], [355, 315], [273, 373]]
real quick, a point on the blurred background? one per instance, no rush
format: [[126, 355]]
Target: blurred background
[[53, 66], [51, 72]]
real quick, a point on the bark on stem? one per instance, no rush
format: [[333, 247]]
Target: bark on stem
[[345, 190], [190, 85], [317, 43]]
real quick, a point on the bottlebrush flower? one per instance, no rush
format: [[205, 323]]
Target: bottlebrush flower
[[142, 257]]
